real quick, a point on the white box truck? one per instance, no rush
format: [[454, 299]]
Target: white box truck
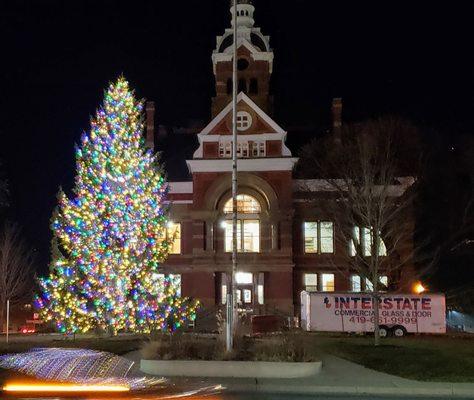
[[399, 314]]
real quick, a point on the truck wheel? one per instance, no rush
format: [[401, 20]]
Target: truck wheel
[[399, 331], [383, 331]]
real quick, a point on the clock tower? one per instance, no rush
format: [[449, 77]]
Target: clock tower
[[254, 64]]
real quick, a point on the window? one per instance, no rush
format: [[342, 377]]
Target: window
[[244, 278], [248, 235], [369, 287], [356, 283], [311, 282], [229, 86], [248, 226], [326, 231], [260, 288], [173, 235], [310, 237], [245, 205], [362, 238], [244, 120], [327, 282], [258, 149], [242, 64], [318, 237], [247, 296], [223, 293], [243, 149], [225, 150]]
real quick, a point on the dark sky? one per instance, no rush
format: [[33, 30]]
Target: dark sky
[[409, 58]]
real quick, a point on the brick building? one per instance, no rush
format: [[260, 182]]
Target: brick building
[[285, 242]]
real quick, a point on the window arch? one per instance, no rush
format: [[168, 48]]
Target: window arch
[[245, 205], [248, 224]]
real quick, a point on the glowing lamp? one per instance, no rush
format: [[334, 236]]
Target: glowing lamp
[[419, 288]]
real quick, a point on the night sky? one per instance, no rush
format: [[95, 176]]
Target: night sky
[[406, 58]]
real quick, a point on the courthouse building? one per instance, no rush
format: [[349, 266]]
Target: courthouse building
[[286, 243]]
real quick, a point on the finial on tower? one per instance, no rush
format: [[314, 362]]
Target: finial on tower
[[245, 10]]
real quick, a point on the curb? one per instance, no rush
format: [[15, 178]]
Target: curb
[[443, 392]]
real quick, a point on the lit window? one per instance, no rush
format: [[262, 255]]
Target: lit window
[[369, 287], [248, 235], [223, 294], [356, 283], [311, 282], [260, 288], [244, 278], [260, 294], [247, 296], [172, 234], [363, 238], [245, 205], [327, 282], [326, 230], [318, 237], [311, 237], [244, 120]]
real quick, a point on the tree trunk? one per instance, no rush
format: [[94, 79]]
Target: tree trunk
[[376, 319]]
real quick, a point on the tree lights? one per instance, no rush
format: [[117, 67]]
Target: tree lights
[[110, 235]]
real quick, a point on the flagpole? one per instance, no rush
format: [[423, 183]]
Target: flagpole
[[231, 297]]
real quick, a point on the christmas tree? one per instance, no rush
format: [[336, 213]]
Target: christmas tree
[[110, 237]]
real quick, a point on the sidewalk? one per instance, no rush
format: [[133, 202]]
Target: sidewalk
[[338, 376]]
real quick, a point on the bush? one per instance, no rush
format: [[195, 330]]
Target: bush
[[288, 347]]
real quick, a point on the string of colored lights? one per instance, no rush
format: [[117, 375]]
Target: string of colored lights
[[109, 238]]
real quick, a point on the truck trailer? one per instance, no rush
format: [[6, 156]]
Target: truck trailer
[[399, 313]]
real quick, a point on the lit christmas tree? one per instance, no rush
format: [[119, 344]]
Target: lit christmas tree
[[109, 239]]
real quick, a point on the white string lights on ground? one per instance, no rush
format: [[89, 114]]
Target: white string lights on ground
[[84, 367]]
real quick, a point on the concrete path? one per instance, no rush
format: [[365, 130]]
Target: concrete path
[[338, 376]]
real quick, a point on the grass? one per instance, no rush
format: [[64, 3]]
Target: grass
[[448, 358], [425, 358]]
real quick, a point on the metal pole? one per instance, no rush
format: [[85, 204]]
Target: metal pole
[[231, 301], [8, 318]]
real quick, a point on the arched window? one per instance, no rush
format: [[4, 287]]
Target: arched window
[[253, 89], [248, 224]]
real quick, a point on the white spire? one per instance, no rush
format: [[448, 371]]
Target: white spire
[[245, 10]]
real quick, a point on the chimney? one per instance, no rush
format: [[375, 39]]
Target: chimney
[[336, 110], [150, 125]]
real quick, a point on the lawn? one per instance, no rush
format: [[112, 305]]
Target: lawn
[[447, 358]]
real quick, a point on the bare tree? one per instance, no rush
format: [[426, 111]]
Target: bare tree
[[370, 204], [16, 268]]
